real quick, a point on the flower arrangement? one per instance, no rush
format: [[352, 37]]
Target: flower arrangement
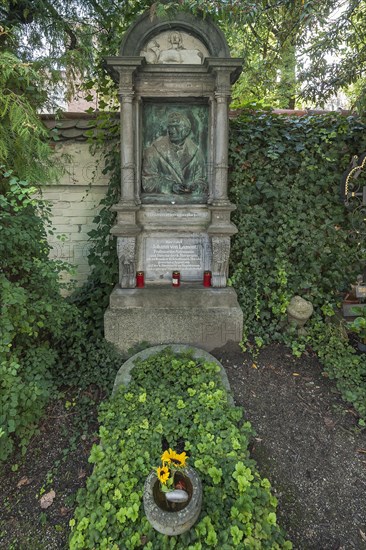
[[172, 462]]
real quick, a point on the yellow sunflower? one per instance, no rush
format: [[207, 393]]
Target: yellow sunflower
[[177, 460], [163, 474]]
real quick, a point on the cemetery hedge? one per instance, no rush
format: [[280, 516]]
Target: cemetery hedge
[[294, 237], [294, 233]]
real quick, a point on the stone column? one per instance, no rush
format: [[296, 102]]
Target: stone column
[[138, 147], [221, 156], [222, 98], [220, 228], [126, 94]]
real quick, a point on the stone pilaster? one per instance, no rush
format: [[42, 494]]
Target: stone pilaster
[[220, 231], [126, 228]]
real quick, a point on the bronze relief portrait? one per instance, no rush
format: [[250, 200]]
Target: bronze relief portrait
[[174, 160]]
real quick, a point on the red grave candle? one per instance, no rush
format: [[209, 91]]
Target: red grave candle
[[140, 279], [207, 278], [176, 278]]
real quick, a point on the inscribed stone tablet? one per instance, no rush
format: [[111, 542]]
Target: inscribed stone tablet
[[189, 255]]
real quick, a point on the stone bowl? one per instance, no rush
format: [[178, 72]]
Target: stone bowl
[[172, 522]]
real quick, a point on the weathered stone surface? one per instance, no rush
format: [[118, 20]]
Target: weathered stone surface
[[202, 317], [299, 311], [174, 76], [173, 523], [146, 27], [174, 47], [174, 216]]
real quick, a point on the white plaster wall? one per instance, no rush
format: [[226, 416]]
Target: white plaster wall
[[74, 202]]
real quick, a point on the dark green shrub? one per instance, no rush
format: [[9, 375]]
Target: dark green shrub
[[84, 357], [32, 312], [26, 385]]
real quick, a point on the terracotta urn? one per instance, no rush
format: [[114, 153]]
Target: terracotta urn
[[171, 518]]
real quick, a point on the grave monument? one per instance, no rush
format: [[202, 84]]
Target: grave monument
[[174, 75]]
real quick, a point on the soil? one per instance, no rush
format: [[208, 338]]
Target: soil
[[308, 443]]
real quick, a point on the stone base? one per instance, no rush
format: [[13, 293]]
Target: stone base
[[203, 317]]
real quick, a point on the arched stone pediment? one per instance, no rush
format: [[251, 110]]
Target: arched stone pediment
[[201, 37]]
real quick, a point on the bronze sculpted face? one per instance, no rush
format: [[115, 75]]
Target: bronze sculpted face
[[173, 164], [179, 127]]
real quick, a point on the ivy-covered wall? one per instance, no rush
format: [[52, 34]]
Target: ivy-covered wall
[[285, 180], [295, 235]]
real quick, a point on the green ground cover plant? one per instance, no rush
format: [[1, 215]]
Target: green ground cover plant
[[179, 401], [342, 364]]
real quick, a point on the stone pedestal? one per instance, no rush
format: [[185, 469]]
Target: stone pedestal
[[203, 317]]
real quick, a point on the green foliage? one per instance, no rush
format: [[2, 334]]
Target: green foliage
[[31, 306], [335, 55], [84, 357], [45, 341], [31, 309], [358, 325], [238, 507], [295, 236], [92, 298], [26, 386], [31, 312], [341, 363], [267, 38], [275, 38], [294, 232], [20, 126]]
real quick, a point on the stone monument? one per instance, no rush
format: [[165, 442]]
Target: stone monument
[[174, 76]]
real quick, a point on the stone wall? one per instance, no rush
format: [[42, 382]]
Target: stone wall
[[74, 201]]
